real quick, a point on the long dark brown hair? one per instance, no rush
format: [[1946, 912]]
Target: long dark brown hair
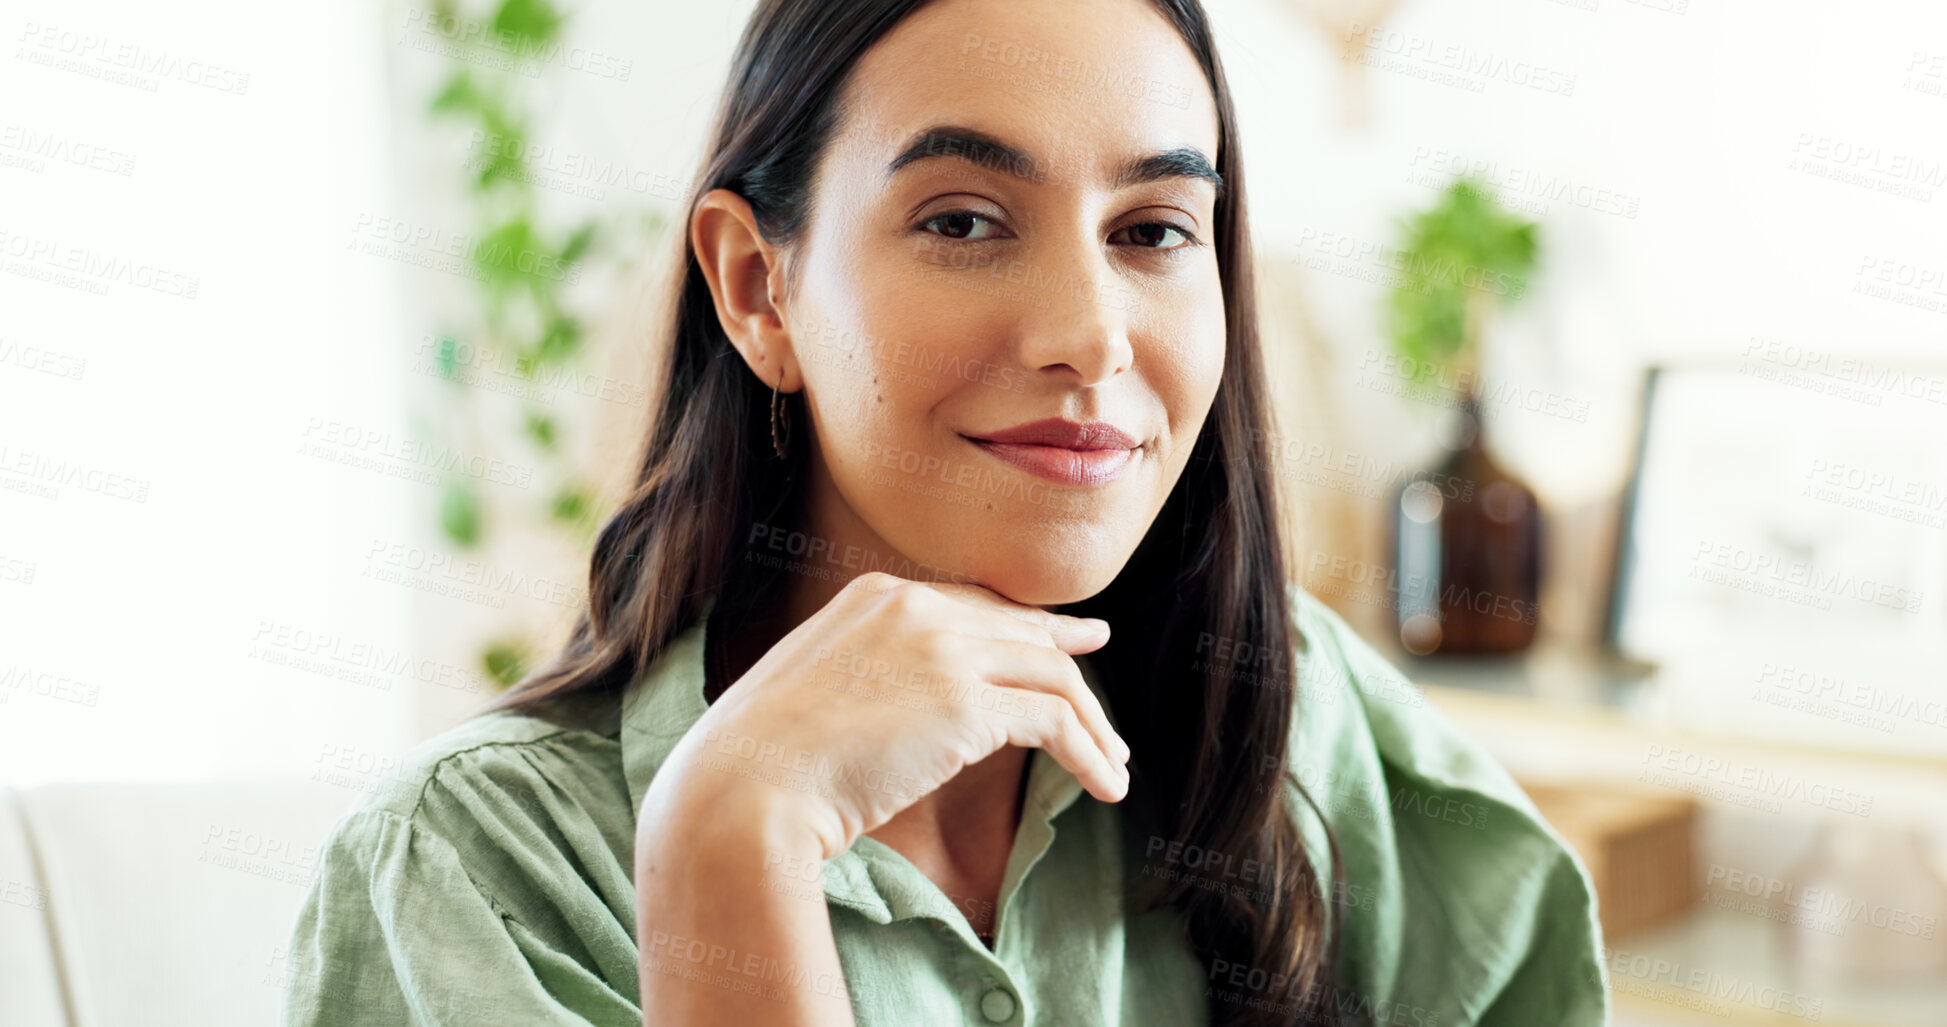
[[1209, 732]]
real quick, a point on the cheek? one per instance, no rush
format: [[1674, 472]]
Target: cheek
[[874, 376], [1187, 359]]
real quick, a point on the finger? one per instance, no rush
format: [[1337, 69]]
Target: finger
[[1059, 731], [1028, 666], [1072, 635]]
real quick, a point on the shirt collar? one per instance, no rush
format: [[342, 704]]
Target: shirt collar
[[872, 877]]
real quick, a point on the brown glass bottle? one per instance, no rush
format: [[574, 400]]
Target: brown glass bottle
[[1466, 551]]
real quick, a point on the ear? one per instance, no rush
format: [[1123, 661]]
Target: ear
[[747, 280]]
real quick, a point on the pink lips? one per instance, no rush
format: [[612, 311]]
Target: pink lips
[[1059, 450]]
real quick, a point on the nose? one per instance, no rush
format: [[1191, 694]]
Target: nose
[[1082, 331]]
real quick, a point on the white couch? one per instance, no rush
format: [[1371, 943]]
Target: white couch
[[154, 904]]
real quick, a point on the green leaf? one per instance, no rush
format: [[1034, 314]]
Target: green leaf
[[558, 343], [513, 253], [448, 358], [541, 428], [571, 505], [577, 245], [505, 663], [532, 23], [458, 96], [459, 513], [1465, 246], [498, 168]]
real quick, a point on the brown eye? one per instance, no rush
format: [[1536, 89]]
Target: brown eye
[[1153, 234], [957, 224]]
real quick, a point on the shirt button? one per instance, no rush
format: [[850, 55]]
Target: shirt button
[[997, 1006]]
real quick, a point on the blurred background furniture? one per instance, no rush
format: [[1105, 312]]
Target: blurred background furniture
[[154, 904]]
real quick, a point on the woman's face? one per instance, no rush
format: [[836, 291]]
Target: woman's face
[[1064, 288]]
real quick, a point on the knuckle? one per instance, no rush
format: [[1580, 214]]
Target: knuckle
[[870, 583], [1078, 685], [1067, 724], [963, 714], [906, 598], [939, 649]]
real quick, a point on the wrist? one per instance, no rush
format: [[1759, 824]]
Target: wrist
[[715, 816]]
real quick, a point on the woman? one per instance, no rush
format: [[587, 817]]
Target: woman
[[943, 666]]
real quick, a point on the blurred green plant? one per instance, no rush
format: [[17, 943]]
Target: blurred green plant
[[523, 268], [1458, 261]]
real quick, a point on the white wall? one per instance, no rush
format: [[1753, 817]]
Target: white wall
[[151, 605]]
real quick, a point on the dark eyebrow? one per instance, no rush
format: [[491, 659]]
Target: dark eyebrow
[[985, 151]]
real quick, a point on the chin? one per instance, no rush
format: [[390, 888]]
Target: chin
[[1049, 571]]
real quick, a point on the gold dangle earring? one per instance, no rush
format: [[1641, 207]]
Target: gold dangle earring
[[780, 442]]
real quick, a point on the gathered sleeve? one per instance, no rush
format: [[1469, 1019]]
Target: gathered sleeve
[[395, 931], [487, 885]]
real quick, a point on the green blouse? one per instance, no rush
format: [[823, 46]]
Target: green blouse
[[492, 882]]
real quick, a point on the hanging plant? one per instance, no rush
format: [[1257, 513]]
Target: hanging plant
[[523, 267]]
